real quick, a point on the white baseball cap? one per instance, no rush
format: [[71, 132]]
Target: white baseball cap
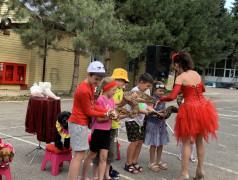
[[97, 68]]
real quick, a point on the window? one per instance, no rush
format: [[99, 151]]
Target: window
[[219, 72], [131, 65], [229, 64], [12, 73], [1, 71], [209, 71]]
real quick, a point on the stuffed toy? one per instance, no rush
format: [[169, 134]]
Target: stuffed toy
[[62, 130]]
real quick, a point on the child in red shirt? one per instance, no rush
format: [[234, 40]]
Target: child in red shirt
[[100, 141], [83, 108]]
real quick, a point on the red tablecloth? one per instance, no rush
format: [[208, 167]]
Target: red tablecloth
[[41, 117]]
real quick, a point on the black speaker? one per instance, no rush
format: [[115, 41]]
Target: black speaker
[[158, 61]]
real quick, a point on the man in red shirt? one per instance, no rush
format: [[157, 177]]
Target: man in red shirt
[[83, 109]]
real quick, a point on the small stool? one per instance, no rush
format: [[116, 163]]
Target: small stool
[[6, 172], [56, 157]]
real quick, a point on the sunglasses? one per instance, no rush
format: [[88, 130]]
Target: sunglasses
[[160, 86]]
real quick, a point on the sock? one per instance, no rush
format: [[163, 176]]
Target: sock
[[180, 147], [192, 149]]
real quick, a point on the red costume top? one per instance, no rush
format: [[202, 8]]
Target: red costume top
[[84, 106], [196, 114]]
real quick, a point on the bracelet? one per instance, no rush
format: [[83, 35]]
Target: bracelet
[[107, 114]]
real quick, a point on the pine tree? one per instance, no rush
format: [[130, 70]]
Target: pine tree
[[203, 42], [38, 32], [91, 24], [140, 28], [130, 25], [234, 30]]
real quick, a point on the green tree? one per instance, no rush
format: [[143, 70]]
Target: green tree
[[91, 24], [203, 42], [140, 28], [38, 32], [234, 18]]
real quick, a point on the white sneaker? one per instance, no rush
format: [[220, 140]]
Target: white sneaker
[[193, 159], [180, 157]]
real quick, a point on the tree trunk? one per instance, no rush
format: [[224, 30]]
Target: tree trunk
[[75, 73], [203, 75]]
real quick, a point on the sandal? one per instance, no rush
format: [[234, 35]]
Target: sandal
[[154, 167], [130, 168], [163, 166], [137, 167]]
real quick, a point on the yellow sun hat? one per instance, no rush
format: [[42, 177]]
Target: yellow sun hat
[[120, 73]]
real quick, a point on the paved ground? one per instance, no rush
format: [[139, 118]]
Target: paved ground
[[221, 159]]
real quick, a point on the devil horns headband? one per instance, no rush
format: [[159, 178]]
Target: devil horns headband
[[175, 54]]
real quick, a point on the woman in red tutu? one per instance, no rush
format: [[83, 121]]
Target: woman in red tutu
[[196, 118]]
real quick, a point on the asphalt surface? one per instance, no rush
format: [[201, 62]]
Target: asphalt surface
[[221, 156]]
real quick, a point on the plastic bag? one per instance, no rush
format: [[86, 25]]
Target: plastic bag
[[36, 90], [47, 91]]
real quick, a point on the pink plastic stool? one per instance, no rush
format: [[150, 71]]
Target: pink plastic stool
[[56, 157], [6, 172]]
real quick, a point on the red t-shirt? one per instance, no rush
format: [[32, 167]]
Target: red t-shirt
[[84, 106]]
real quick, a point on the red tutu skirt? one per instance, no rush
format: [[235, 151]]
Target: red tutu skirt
[[193, 119]]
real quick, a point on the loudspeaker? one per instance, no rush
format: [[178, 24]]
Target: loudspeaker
[[158, 61]]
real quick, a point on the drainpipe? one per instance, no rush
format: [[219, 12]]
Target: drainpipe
[[44, 60]]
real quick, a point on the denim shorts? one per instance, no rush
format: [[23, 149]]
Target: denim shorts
[[78, 136]]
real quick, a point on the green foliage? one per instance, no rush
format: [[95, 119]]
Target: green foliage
[[200, 27], [39, 31], [234, 29]]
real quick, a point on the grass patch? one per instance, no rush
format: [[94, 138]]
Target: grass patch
[[26, 98], [14, 98]]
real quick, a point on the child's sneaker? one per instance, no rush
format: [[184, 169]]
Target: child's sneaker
[[113, 172], [180, 157], [193, 159], [115, 177]]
